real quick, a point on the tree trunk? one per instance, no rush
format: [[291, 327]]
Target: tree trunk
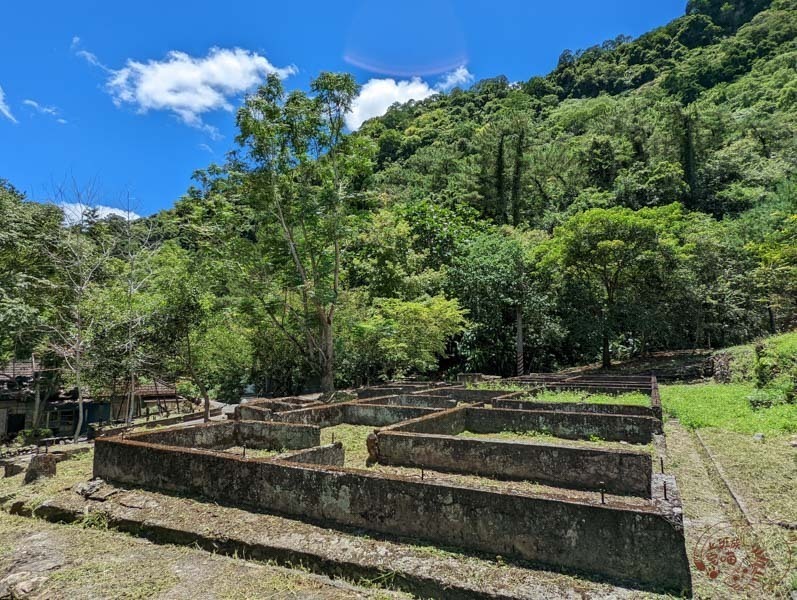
[[131, 395], [500, 198], [771, 315], [36, 394], [606, 356], [517, 179], [79, 426], [197, 381], [519, 340], [688, 157], [327, 356]]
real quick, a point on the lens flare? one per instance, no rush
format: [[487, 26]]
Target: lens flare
[[412, 37]]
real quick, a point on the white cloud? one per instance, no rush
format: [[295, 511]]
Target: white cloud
[[459, 76], [190, 86], [206, 148], [50, 111], [377, 95], [73, 211], [92, 59], [75, 42], [4, 109]]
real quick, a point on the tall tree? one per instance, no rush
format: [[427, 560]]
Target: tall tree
[[611, 251], [300, 180]]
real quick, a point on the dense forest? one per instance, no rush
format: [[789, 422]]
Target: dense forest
[[640, 197]]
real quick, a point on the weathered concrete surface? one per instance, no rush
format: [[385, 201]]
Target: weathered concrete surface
[[646, 545], [584, 407], [253, 412], [375, 415], [421, 401], [616, 471], [353, 413], [331, 455], [252, 434], [321, 416], [632, 429], [41, 465], [466, 395], [424, 572], [446, 422]]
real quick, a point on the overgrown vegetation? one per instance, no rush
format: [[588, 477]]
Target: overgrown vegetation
[[631, 398], [727, 407], [641, 197]]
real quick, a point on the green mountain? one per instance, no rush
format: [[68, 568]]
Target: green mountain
[[640, 197]]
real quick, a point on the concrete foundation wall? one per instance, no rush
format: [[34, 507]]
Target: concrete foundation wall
[[210, 435], [585, 407], [447, 422], [331, 455], [259, 435], [321, 416], [275, 436], [376, 415], [568, 425], [646, 545], [617, 471], [245, 412], [414, 400], [466, 395]]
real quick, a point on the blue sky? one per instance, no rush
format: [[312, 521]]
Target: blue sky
[[136, 96]]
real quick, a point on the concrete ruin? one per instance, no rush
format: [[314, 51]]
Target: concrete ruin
[[601, 505]]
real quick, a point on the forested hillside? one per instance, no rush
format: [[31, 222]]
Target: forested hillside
[[642, 196]]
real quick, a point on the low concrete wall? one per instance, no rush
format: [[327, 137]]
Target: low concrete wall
[[466, 395], [331, 455], [208, 435], [321, 416], [584, 407], [414, 400], [616, 471], [446, 422], [646, 545], [94, 431], [569, 425], [275, 436], [375, 392], [354, 413], [252, 434], [376, 415], [247, 412]]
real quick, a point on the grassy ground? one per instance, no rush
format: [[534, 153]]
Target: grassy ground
[[253, 453], [709, 508], [353, 439], [535, 436], [726, 407], [74, 562], [631, 398], [71, 471], [761, 472]]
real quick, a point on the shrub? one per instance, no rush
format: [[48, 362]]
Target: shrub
[[29, 436]]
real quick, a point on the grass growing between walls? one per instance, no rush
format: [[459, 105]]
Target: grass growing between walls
[[726, 406]]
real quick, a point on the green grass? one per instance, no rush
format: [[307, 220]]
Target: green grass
[[725, 406], [631, 398], [497, 386], [546, 438]]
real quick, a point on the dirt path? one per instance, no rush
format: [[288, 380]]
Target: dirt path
[[43, 560], [711, 516]]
